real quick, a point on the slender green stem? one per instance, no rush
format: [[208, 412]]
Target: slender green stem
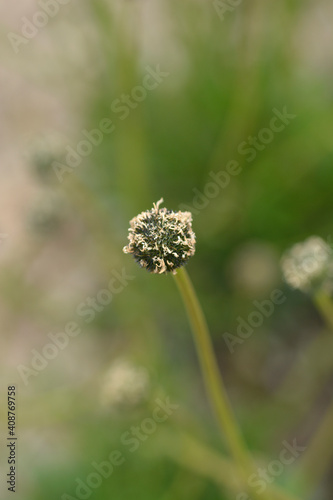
[[186, 450], [214, 383], [318, 456], [213, 380], [325, 307]]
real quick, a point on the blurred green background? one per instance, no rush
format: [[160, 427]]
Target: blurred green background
[[225, 71]]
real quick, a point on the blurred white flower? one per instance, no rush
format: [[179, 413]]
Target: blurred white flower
[[124, 384], [307, 264]]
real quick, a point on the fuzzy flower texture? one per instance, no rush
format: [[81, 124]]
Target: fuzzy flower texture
[[308, 265], [161, 240]]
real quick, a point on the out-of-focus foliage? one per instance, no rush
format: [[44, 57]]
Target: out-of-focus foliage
[[225, 78]]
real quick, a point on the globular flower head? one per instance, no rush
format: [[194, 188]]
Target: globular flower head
[[161, 240], [308, 265]]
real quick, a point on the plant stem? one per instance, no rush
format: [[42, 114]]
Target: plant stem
[[196, 456], [318, 456], [214, 384], [325, 307]]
